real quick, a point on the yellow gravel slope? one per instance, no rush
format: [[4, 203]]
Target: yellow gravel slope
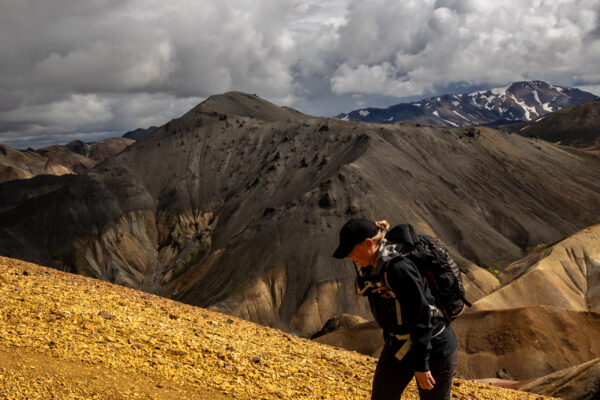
[[67, 336]]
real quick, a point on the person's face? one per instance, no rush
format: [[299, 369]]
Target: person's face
[[363, 254]]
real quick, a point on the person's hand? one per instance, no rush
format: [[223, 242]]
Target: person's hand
[[425, 380], [386, 292]]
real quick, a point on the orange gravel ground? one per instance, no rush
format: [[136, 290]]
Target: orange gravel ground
[[64, 336]]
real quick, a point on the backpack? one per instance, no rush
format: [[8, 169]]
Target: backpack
[[434, 261]]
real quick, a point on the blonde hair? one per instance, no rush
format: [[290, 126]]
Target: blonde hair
[[383, 227]]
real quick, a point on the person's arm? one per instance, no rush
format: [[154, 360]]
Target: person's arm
[[408, 286]]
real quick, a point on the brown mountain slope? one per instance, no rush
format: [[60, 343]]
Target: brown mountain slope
[[566, 274], [242, 214], [527, 342], [80, 157], [17, 164], [62, 155], [365, 338], [68, 336], [577, 125], [73, 158], [15, 192], [101, 149], [581, 382]]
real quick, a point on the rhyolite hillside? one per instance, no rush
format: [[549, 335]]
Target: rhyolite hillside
[[76, 157], [237, 206]]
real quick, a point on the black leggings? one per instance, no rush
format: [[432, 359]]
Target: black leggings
[[392, 377]]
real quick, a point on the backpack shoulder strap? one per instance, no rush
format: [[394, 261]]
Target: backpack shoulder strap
[[390, 290], [435, 311]]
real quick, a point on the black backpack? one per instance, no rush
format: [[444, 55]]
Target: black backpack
[[435, 262]]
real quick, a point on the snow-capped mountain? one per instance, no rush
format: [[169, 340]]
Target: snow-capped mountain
[[520, 101]]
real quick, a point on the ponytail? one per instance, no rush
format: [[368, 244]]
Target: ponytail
[[383, 227]]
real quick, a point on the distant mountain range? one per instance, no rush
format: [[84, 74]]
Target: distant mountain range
[[518, 102], [76, 157]]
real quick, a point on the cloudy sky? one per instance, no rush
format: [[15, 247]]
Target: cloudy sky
[[97, 68]]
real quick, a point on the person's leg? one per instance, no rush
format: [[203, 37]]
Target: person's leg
[[443, 373], [391, 376]]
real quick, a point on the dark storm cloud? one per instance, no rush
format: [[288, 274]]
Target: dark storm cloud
[[110, 66]]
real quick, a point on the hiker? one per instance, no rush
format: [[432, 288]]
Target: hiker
[[418, 339]]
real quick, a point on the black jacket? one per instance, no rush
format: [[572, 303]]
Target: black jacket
[[406, 312]]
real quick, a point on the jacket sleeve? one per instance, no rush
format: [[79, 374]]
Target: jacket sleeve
[[408, 286]]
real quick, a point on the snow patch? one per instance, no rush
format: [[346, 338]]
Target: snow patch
[[445, 120], [455, 103], [500, 92], [417, 104], [545, 106], [479, 93], [389, 119], [488, 101], [459, 114], [528, 110], [363, 113], [449, 122]]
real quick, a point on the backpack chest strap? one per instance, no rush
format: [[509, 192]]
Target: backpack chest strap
[[368, 285]]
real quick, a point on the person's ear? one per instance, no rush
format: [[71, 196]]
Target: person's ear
[[369, 242]]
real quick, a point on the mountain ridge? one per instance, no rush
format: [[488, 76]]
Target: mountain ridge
[[577, 125]]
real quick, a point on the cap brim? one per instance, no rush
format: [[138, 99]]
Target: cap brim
[[343, 250]]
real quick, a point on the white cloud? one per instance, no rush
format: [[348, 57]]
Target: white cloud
[[136, 56], [467, 41], [594, 89], [107, 66], [97, 116], [76, 110]]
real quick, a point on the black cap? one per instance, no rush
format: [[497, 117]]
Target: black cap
[[352, 233]]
